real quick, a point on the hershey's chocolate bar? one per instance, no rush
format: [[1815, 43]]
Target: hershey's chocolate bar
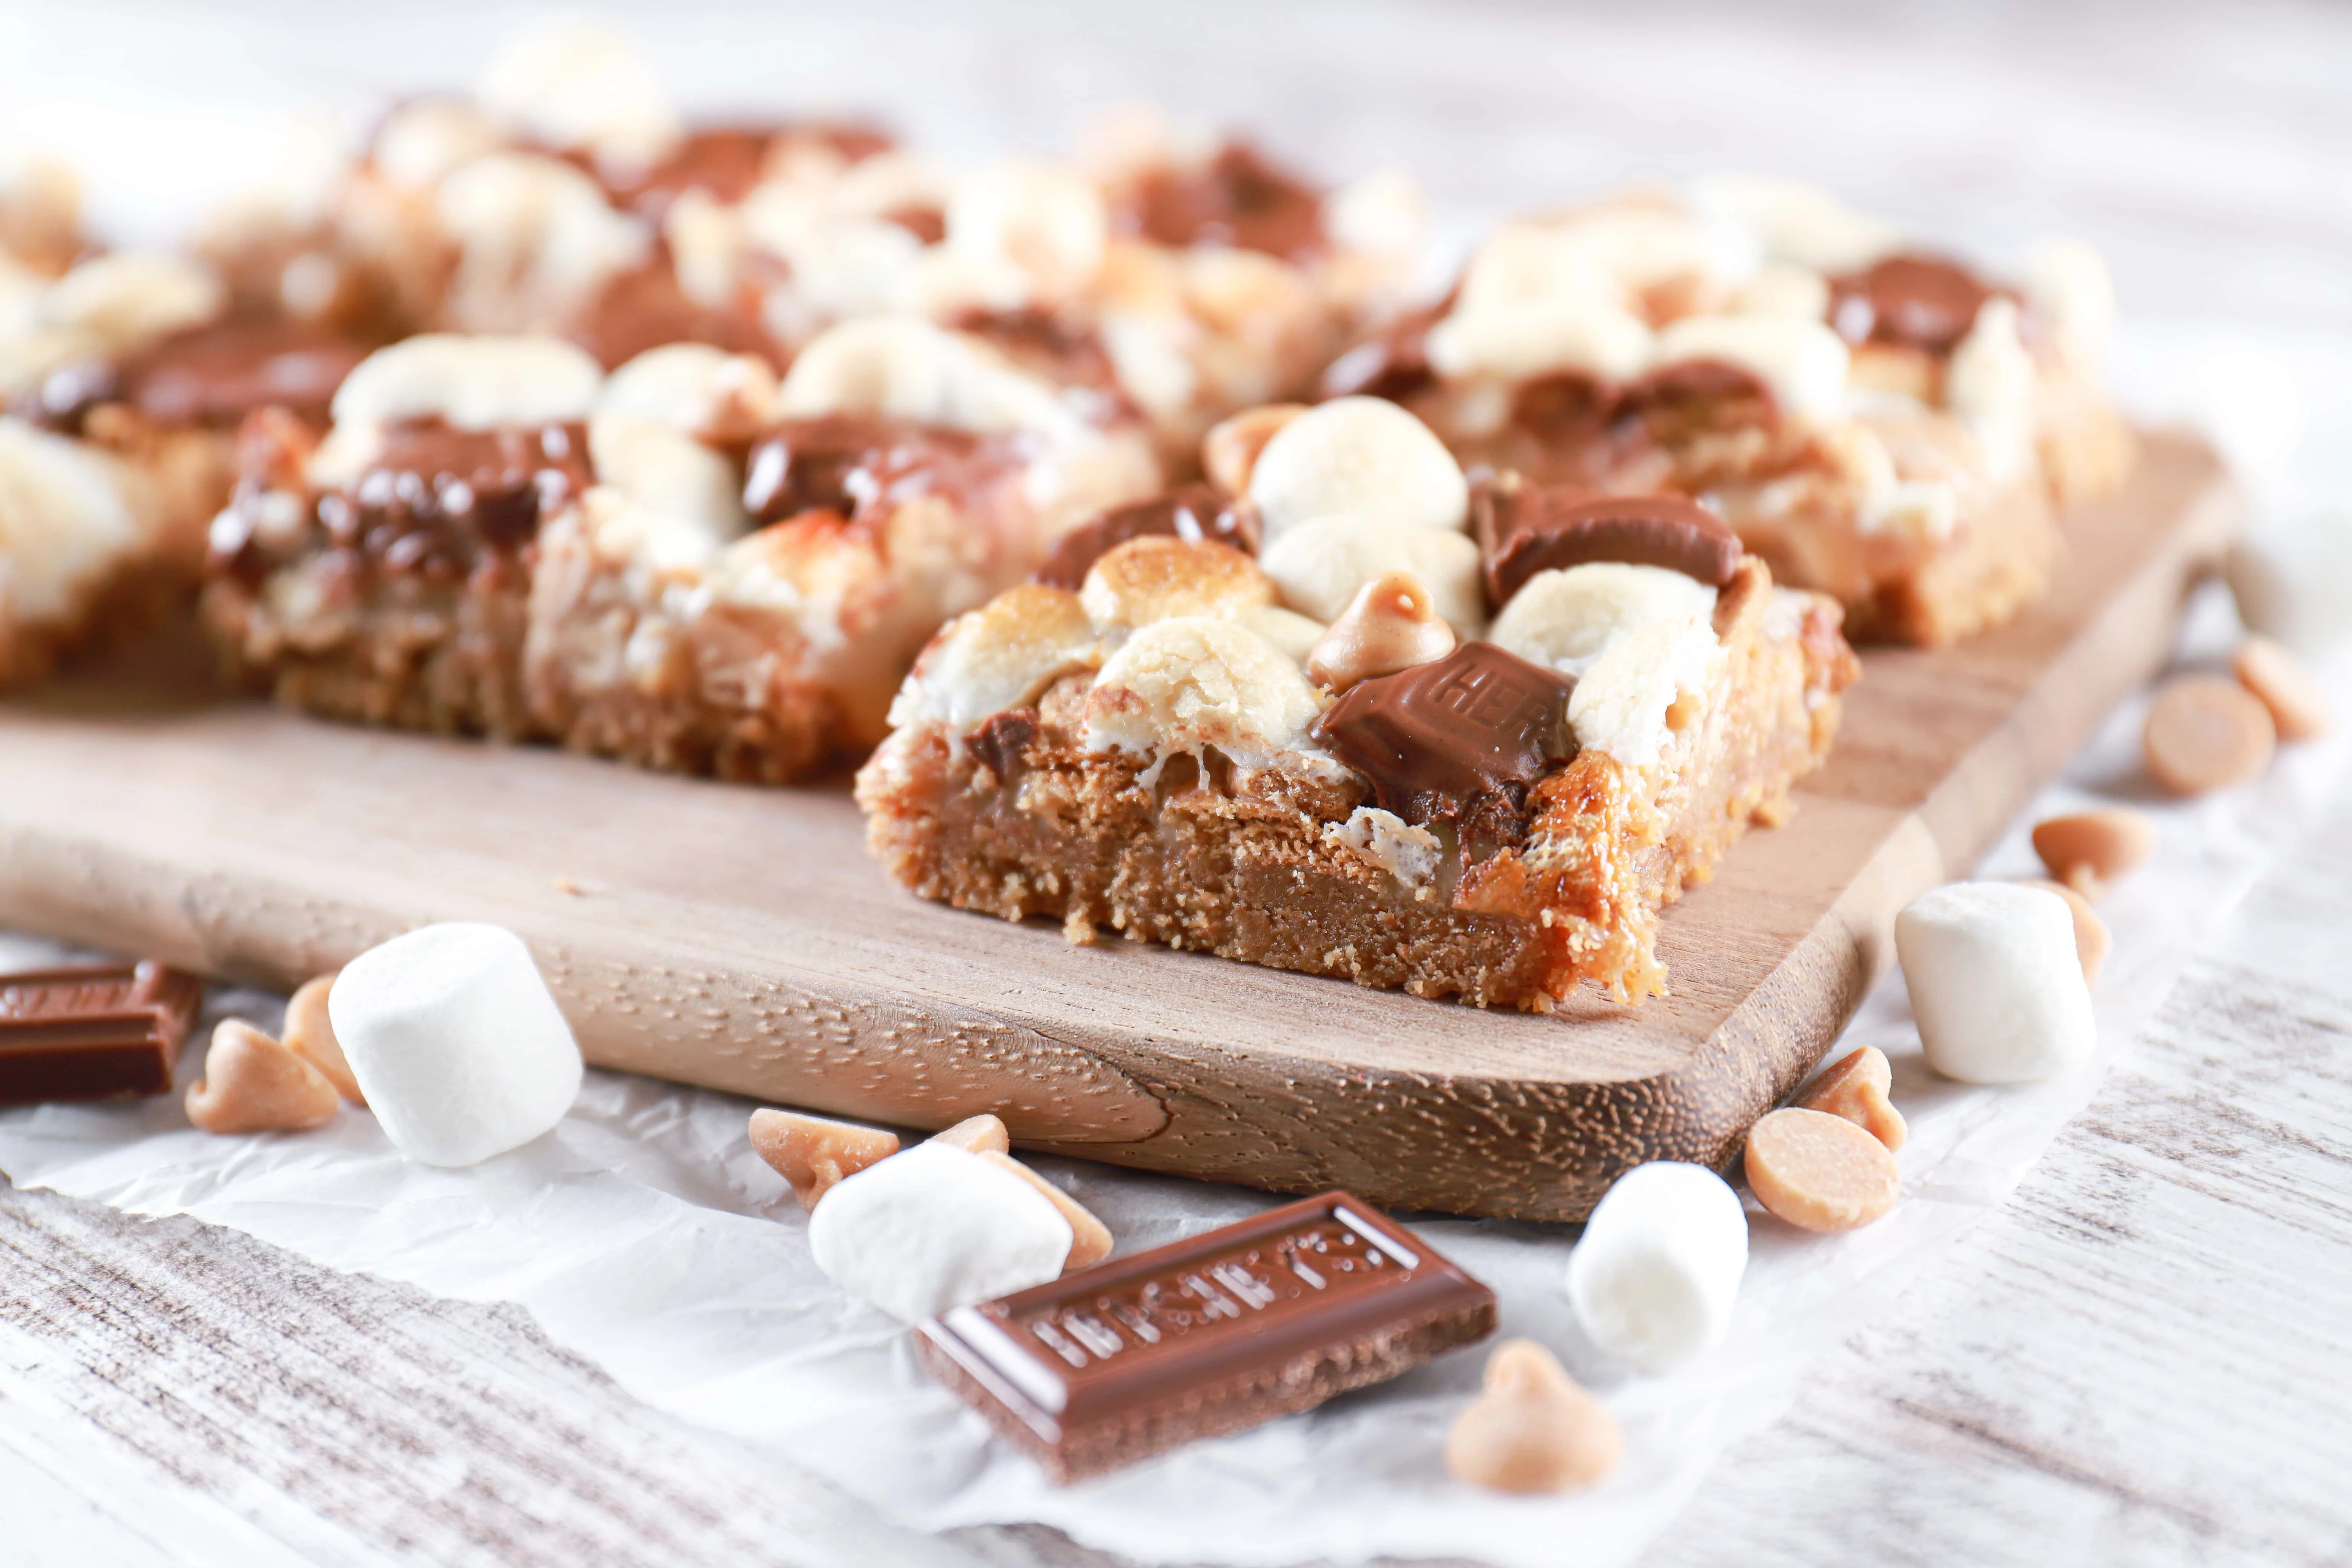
[[1132, 1357], [92, 1031]]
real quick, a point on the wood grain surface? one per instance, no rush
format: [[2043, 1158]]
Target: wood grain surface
[[743, 939], [2139, 1359]]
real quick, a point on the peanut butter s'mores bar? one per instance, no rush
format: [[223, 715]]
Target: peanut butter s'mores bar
[[1877, 422], [683, 564], [122, 378], [1364, 716]]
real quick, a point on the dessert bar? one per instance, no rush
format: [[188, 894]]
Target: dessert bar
[[1877, 422], [1365, 718]]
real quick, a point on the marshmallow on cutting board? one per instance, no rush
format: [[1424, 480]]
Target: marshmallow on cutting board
[[934, 1228], [1996, 982], [1655, 1276], [456, 1043]]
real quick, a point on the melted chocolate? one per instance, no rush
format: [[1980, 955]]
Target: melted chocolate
[[1393, 364], [1000, 739], [726, 161], [927, 224], [1041, 342], [1534, 528], [212, 375], [857, 465], [644, 308], [1435, 741], [1194, 512], [1236, 198], [1915, 301]]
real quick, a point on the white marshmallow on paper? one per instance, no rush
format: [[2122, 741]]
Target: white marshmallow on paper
[[2293, 582], [1655, 1276], [936, 1227], [1995, 982], [456, 1042]]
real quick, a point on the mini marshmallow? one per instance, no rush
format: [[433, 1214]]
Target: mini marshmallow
[[906, 368], [127, 298], [472, 383], [1001, 655], [2293, 582], [669, 473], [579, 85], [2069, 287], [535, 237], [1193, 681], [1995, 982], [1321, 565], [1796, 222], [1159, 575], [456, 1042], [1361, 458], [694, 387], [1802, 362], [1624, 705], [1654, 1275], [1048, 222], [1566, 617], [419, 143], [68, 511], [937, 1227], [1991, 383]]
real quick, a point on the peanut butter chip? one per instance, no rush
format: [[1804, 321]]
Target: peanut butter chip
[[2285, 686], [1819, 1171], [1090, 1237], [1533, 1429], [812, 1152], [310, 1035], [2088, 850], [2092, 941], [1856, 1089], [1392, 624], [2205, 733], [983, 1134], [253, 1084]]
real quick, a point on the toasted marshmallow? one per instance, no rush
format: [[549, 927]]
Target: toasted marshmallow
[[535, 239], [1383, 213], [1196, 681], [1047, 223], [125, 299], [1567, 618], [470, 383], [667, 471], [1996, 982], [67, 513], [934, 1228], [1991, 384], [1796, 222], [905, 368], [1361, 458], [579, 85], [2068, 285], [1624, 705], [1159, 576], [420, 144], [1801, 361], [1321, 565], [1655, 1275], [1293, 634], [694, 387], [999, 656], [1387, 841]]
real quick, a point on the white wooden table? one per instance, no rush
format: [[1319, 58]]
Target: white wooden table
[[2144, 1357]]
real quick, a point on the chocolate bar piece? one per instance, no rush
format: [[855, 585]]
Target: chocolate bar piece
[[1132, 1357], [92, 1031]]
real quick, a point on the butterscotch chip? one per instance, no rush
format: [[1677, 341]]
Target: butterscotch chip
[[311, 1035], [2089, 849], [982, 1134], [252, 1083], [2284, 684], [812, 1152], [2206, 734], [1819, 1171], [2092, 941], [1230, 451], [1090, 1237], [1856, 1089], [1392, 625], [1533, 1428]]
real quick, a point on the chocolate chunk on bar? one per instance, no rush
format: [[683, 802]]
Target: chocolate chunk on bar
[[92, 1031], [1130, 1358], [1921, 301], [1433, 739], [1193, 512], [1526, 529]]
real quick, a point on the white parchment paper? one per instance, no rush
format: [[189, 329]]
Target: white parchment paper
[[645, 1234]]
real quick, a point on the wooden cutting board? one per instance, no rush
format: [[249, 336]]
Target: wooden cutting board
[[742, 939]]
